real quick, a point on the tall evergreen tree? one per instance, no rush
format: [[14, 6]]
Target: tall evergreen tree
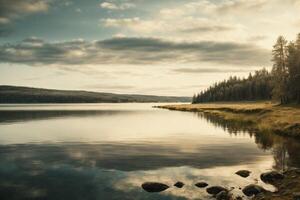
[[282, 84], [280, 71], [294, 69]]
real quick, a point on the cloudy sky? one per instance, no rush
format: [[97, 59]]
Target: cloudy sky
[[163, 47]]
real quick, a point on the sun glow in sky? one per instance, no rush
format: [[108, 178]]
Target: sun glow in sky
[[161, 47]]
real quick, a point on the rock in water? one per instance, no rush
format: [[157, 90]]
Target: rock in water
[[179, 184], [201, 185], [154, 187], [223, 195], [271, 177], [252, 189], [296, 196], [215, 190], [238, 198], [243, 173]]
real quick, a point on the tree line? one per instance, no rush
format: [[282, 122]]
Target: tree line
[[281, 83]]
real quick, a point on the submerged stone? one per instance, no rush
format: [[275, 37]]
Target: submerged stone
[[243, 173], [215, 190], [154, 187], [201, 185], [252, 189], [179, 184], [271, 177]]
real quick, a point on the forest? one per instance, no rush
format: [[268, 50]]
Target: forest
[[17, 94], [281, 83]]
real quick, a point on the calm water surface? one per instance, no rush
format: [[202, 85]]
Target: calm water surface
[[106, 151]]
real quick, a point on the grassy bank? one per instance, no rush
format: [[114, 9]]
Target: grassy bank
[[262, 116]]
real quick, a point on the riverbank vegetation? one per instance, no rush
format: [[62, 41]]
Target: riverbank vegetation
[[281, 84], [260, 116]]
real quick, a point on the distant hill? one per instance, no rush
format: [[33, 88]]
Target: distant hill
[[15, 94]]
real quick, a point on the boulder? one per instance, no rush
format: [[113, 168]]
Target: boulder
[[252, 189], [223, 195], [179, 184], [271, 177], [154, 187], [201, 185], [243, 173], [215, 190]]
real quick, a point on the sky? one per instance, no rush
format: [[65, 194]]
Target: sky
[[158, 47]]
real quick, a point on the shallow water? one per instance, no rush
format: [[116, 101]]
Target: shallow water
[[106, 151]]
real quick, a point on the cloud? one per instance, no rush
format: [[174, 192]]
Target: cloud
[[109, 22], [136, 24], [227, 6], [114, 6], [170, 26], [257, 38], [109, 87], [207, 70], [34, 51], [207, 28], [13, 9]]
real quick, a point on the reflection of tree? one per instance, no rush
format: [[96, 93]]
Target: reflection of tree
[[280, 156], [232, 126], [285, 150]]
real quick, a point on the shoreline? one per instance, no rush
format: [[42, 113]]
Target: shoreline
[[260, 116]]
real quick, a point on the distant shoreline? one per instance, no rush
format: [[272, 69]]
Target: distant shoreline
[[261, 116], [28, 95]]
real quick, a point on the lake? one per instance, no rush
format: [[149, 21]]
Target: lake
[[106, 151]]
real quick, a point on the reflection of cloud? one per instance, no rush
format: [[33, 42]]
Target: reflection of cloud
[[113, 170], [223, 176], [139, 156]]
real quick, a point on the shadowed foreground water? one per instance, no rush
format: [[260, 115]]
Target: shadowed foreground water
[[106, 151]]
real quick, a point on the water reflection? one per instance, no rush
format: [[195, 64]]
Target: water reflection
[[154, 147], [116, 171], [284, 150], [10, 116]]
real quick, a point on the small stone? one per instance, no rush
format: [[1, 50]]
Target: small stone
[[215, 190], [243, 173], [179, 184], [252, 189], [201, 185], [271, 177], [154, 187], [296, 196], [238, 198]]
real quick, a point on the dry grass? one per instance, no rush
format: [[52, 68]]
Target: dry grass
[[266, 116]]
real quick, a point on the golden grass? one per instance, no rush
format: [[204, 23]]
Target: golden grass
[[265, 116]]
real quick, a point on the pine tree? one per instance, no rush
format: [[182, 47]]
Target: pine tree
[[280, 71], [294, 69]]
